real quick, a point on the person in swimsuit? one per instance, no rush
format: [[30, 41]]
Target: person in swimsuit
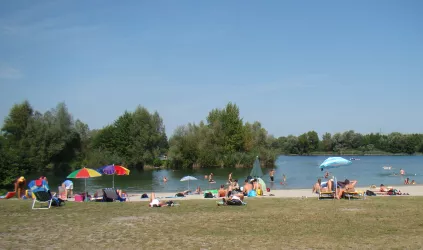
[[222, 192], [20, 184], [349, 187], [247, 187], [154, 202], [230, 177], [317, 187], [272, 175]]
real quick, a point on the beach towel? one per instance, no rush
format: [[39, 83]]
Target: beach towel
[[8, 195]]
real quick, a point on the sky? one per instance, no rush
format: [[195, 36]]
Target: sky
[[294, 66]]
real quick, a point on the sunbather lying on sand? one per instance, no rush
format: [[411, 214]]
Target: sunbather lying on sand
[[391, 190], [234, 200], [154, 202]]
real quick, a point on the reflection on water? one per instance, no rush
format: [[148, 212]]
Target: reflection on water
[[300, 171]]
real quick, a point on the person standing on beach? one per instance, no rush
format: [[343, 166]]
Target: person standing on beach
[[20, 184], [272, 174]]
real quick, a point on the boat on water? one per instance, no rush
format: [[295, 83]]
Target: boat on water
[[387, 168], [354, 159]]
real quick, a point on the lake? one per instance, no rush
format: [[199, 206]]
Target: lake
[[301, 172]]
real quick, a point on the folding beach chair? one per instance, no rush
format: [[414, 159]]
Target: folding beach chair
[[330, 194], [110, 195], [43, 195]]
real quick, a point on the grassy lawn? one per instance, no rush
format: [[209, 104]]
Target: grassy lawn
[[379, 223]]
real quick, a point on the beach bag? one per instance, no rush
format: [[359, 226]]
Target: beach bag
[[370, 193], [143, 196], [208, 195], [252, 193], [259, 192]]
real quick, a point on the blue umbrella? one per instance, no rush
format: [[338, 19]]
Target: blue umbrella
[[189, 178], [334, 162]]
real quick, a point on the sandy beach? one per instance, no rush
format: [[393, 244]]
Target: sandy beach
[[412, 190]]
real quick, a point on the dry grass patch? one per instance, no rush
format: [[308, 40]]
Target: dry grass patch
[[379, 223]]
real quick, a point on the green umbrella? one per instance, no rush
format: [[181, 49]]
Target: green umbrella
[[256, 171]]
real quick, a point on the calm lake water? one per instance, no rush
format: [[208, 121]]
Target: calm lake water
[[301, 172]]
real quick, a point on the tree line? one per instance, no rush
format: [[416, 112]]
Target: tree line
[[31, 141]]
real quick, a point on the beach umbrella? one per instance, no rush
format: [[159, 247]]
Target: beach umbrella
[[84, 173], [262, 183], [113, 170], [256, 171], [189, 178], [334, 162]]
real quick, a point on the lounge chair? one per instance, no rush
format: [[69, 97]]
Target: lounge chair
[[44, 196], [357, 194], [110, 195], [330, 194]]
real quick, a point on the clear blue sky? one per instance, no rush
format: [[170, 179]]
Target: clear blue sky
[[294, 66]]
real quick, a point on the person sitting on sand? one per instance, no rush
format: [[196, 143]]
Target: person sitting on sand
[[247, 187], [123, 195], [222, 192], [407, 181], [235, 186], [413, 182], [198, 190], [349, 187], [155, 202]]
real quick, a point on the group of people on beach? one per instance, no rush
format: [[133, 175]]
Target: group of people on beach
[[21, 190], [328, 186]]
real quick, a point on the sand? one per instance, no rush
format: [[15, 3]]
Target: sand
[[412, 190]]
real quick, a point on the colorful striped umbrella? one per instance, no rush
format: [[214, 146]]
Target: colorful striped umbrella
[[84, 173], [113, 170]]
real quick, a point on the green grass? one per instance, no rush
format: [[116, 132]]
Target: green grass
[[379, 223]]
